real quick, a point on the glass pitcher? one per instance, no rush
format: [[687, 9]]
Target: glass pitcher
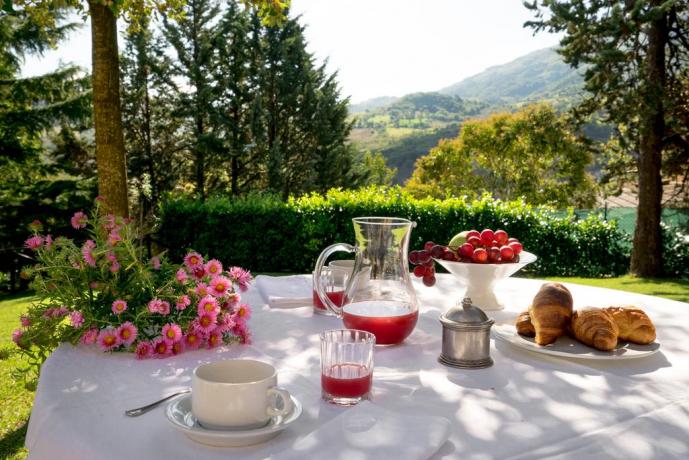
[[379, 296]]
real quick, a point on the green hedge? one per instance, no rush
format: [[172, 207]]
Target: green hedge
[[266, 235]]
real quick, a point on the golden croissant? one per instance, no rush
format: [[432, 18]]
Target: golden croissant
[[524, 325], [595, 328], [634, 324], [551, 312]]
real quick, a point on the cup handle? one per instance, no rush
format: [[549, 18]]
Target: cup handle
[[286, 398]]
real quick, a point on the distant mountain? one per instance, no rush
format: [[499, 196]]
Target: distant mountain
[[536, 76], [374, 103]]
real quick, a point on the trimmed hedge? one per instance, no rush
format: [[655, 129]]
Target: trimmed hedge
[[268, 235]]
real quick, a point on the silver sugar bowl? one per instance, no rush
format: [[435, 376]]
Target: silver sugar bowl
[[466, 337]]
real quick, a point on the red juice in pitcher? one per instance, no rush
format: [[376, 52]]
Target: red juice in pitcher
[[337, 297], [391, 322], [347, 380]]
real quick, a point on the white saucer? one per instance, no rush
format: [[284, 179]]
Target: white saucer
[[179, 414]]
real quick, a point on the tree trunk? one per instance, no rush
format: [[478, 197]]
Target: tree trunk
[[647, 258], [107, 117]]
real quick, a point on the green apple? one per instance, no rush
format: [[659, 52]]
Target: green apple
[[458, 240]]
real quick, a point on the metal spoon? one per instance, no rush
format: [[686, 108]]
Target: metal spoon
[[142, 410]]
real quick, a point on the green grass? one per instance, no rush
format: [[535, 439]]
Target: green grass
[[669, 288], [17, 399]]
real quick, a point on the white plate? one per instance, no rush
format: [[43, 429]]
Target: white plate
[[569, 348], [179, 414]]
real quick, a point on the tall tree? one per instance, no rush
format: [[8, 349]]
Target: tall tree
[[634, 54]]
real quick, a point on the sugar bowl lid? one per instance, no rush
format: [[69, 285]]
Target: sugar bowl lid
[[465, 314]]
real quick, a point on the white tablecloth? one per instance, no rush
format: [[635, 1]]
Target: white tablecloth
[[527, 405]]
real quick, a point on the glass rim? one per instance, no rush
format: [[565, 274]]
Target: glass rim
[[367, 336], [378, 220]]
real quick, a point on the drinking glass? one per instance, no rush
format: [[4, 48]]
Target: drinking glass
[[346, 366], [334, 281]]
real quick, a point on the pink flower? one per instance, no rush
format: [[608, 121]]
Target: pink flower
[[208, 305], [181, 275], [193, 260], [241, 277], [108, 338], [76, 319], [127, 333], [110, 222], [155, 263], [153, 306], [87, 253], [34, 242], [207, 321], [48, 242], [89, 337], [60, 312], [226, 323], [114, 237], [213, 267], [233, 299], [17, 337], [119, 306], [215, 339], [177, 348], [79, 220], [115, 267], [220, 286], [192, 340], [201, 289], [161, 348], [243, 333], [243, 312], [25, 321], [172, 333], [94, 285], [144, 350], [183, 302], [199, 273], [159, 306]]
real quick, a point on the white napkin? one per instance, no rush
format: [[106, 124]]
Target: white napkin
[[369, 432], [286, 291]]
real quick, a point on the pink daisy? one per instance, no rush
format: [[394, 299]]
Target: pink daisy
[[48, 242], [199, 273], [193, 260], [161, 348], [76, 319], [115, 267], [17, 336], [201, 289], [153, 306], [60, 312], [164, 307], [79, 220], [181, 275], [208, 305], [108, 338], [144, 350], [127, 333], [87, 253], [114, 237], [183, 302], [219, 286], [233, 298], [192, 340], [119, 306], [110, 222], [89, 337], [25, 321], [207, 321], [215, 339], [34, 242], [172, 333], [226, 323], [155, 262], [242, 331], [177, 348], [213, 267], [243, 312], [241, 276]]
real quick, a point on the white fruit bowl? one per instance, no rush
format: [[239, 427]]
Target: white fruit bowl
[[480, 279]]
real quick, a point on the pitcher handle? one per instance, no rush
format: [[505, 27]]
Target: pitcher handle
[[317, 273]]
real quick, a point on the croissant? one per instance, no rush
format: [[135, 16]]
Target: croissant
[[551, 312], [595, 328], [524, 325], [634, 324]]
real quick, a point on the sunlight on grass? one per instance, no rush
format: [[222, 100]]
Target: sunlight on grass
[[668, 288], [17, 400]]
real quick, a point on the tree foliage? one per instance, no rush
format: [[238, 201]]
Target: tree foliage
[[531, 154]]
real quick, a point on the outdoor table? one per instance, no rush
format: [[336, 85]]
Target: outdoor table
[[527, 405]]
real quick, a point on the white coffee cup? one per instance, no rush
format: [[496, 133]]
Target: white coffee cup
[[237, 394]]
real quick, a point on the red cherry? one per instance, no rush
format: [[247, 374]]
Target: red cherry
[[466, 250], [501, 237], [471, 233], [494, 255], [507, 253], [429, 280], [474, 241], [428, 245], [516, 247], [437, 251], [480, 256], [419, 271], [424, 257], [512, 240], [414, 257], [450, 255], [487, 236]]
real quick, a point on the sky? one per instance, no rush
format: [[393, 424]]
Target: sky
[[387, 47]]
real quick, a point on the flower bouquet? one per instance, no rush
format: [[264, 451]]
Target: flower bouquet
[[106, 293]]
